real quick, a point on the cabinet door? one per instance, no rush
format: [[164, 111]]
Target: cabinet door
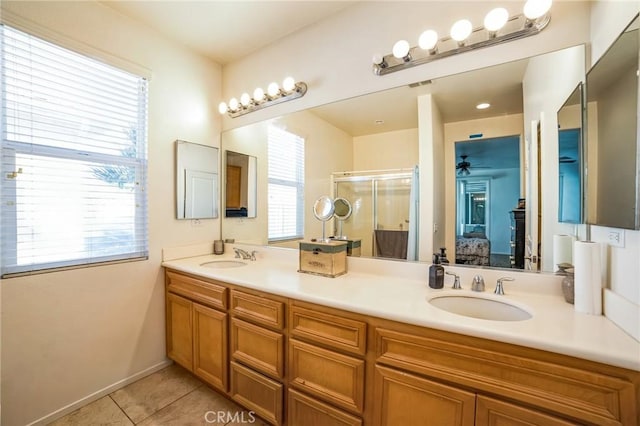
[[179, 330], [210, 345], [493, 412], [404, 399]]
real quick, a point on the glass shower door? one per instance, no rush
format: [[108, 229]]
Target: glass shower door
[[360, 224], [391, 207]]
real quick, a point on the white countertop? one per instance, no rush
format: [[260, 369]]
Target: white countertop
[[398, 291]]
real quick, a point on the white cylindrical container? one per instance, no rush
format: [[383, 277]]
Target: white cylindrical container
[[562, 250], [588, 277]]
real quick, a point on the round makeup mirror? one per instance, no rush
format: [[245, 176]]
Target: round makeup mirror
[[342, 212], [323, 210]]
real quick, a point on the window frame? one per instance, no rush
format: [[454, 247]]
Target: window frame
[[10, 149]]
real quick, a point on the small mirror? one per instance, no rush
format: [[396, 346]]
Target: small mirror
[[241, 184], [323, 210], [342, 212], [196, 181], [570, 163]]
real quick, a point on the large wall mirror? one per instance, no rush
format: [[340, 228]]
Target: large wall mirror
[[384, 133], [612, 117], [196, 181]]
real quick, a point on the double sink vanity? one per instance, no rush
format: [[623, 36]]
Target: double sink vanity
[[377, 346]]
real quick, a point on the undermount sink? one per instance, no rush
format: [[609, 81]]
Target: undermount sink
[[223, 264], [480, 307]]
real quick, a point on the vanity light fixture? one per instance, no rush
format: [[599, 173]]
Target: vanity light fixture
[[274, 95], [498, 27]]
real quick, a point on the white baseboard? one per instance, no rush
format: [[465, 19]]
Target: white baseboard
[[622, 312], [99, 394]]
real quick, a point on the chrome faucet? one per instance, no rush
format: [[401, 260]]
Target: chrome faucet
[[244, 255], [456, 281], [478, 283], [499, 287]]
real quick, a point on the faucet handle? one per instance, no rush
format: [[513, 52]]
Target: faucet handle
[[253, 255], [478, 283], [236, 250], [456, 281], [499, 287]]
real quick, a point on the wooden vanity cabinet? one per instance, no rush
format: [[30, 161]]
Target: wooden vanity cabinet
[[300, 364], [197, 327], [257, 350]]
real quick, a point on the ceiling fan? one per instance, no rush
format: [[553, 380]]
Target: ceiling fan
[[565, 159], [463, 166]]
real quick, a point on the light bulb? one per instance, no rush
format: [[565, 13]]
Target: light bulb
[[378, 59], [401, 49], [258, 94], [533, 9], [428, 40], [233, 104], [461, 30], [245, 99], [273, 89], [288, 84], [222, 107], [496, 19], [483, 105]]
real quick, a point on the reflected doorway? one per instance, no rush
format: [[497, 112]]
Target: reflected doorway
[[488, 190]]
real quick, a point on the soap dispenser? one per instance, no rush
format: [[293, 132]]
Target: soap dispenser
[[436, 273]]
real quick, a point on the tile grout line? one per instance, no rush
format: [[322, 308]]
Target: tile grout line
[[120, 408], [172, 402]]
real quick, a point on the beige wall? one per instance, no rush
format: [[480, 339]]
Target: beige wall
[[389, 150], [68, 336]]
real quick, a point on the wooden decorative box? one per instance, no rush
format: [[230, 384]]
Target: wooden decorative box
[[327, 259]]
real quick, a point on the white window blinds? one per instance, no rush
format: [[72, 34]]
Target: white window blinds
[[286, 185], [73, 158]]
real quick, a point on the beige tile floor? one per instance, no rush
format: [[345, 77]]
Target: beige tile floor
[[169, 397]]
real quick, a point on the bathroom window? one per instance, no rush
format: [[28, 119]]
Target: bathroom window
[[73, 159], [286, 185]]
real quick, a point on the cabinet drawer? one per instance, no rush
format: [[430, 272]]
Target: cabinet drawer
[[202, 291], [257, 392], [570, 391], [259, 310], [336, 378], [305, 411], [257, 347], [329, 330]]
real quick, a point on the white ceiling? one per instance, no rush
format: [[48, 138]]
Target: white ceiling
[[226, 31]]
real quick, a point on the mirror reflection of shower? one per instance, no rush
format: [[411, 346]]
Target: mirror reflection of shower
[[381, 203]]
